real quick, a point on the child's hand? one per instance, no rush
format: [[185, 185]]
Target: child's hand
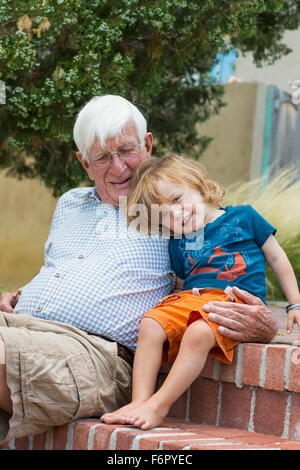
[[293, 317]]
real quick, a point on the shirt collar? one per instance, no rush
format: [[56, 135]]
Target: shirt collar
[[94, 195]]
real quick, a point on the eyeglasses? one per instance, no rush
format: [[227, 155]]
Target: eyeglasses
[[126, 152]]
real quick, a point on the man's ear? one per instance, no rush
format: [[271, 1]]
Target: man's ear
[[85, 165], [148, 143], [83, 162]]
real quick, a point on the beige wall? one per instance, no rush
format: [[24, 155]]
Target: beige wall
[[281, 72], [26, 209], [228, 157]]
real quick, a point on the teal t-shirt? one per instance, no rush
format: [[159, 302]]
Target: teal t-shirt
[[226, 252]]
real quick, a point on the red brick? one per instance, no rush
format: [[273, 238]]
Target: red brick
[[128, 438], [294, 424], [275, 366], [60, 437], [179, 409], [124, 437], [213, 445], [294, 379], [228, 371], [269, 414], [175, 435], [255, 438], [290, 445], [202, 430], [231, 446], [204, 401], [251, 363], [208, 369], [81, 434], [149, 444], [113, 436], [190, 426], [236, 405], [39, 441], [22, 443], [152, 443], [196, 443]]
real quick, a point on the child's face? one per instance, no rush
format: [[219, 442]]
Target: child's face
[[184, 211]]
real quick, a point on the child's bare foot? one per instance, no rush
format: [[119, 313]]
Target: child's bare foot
[[122, 415], [148, 415]]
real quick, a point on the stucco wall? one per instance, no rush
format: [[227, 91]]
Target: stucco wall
[[228, 158]]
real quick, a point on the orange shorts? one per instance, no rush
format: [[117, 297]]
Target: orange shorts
[[177, 311]]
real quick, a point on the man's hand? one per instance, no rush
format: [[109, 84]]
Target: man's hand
[[250, 322], [9, 300]]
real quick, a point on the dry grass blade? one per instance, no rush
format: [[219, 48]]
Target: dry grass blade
[[279, 202]]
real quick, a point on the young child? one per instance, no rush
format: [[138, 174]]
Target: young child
[[212, 249]]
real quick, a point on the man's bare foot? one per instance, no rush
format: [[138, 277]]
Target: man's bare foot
[[148, 415], [122, 415]]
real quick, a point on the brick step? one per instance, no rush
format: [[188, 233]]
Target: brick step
[[252, 403], [258, 392], [173, 435]]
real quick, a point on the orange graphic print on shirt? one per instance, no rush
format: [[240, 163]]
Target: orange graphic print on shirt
[[230, 274]]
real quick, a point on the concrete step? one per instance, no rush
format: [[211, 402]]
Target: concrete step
[[173, 435]]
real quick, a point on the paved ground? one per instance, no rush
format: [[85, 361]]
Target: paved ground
[[282, 336]]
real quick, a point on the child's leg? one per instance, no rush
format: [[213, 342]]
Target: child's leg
[[195, 346], [147, 362]]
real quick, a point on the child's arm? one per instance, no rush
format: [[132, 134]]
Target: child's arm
[[280, 265]]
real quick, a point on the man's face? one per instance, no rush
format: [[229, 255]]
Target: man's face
[[114, 180]]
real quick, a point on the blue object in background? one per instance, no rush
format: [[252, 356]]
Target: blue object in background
[[223, 67]]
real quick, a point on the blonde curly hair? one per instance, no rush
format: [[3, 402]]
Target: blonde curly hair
[[177, 169]]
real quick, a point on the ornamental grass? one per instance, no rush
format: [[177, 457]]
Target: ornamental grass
[[278, 200]]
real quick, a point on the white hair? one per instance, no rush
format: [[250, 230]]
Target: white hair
[[104, 117]]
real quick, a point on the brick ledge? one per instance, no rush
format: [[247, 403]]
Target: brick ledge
[[173, 435]]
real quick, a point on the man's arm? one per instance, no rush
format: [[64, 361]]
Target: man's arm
[[250, 322], [8, 300]]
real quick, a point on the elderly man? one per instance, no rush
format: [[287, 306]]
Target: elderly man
[[68, 337]]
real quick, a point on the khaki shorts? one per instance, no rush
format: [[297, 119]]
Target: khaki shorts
[[56, 374]]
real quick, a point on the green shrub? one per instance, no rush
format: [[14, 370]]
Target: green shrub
[[56, 54]]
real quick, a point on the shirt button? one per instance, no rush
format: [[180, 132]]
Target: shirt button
[[80, 256], [56, 274], [98, 232], [39, 309]]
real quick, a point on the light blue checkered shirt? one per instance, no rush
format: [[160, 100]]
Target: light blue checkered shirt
[[99, 274]]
